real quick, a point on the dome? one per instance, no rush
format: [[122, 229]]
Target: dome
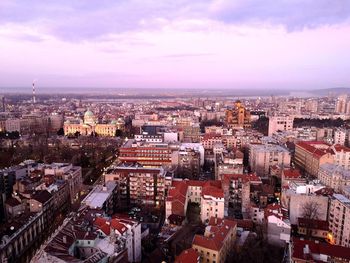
[[88, 113], [120, 120], [114, 122]]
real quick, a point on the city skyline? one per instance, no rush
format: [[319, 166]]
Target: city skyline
[[188, 44]]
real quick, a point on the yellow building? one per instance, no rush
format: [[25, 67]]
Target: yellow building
[[238, 117], [217, 242], [90, 126]]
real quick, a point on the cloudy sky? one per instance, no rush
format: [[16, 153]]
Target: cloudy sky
[[298, 44]]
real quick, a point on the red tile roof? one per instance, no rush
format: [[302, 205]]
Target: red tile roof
[[318, 248], [103, 225], [178, 191], [188, 256], [309, 146], [216, 233], [291, 173], [117, 225]]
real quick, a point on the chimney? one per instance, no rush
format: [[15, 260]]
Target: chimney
[[306, 249], [64, 239]]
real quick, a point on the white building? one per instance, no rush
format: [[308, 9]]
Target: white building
[[208, 194], [334, 176], [280, 123], [263, 156], [339, 136], [341, 156]]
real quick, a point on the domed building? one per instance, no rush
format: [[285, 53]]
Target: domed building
[[238, 117], [89, 125], [89, 118]]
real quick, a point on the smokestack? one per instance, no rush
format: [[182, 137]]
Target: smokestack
[[33, 92]]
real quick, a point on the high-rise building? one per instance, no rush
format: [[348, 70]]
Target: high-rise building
[[340, 106]]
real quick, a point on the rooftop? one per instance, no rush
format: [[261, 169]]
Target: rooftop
[[98, 196], [215, 234]]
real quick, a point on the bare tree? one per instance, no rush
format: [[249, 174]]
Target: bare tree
[[310, 212]]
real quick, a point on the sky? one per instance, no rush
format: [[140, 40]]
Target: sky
[[211, 44]]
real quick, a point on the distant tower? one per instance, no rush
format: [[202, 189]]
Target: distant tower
[[33, 92], [3, 103]]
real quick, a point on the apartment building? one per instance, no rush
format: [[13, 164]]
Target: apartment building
[[145, 153], [90, 237], [208, 194], [309, 155], [263, 156], [339, 220], [22, 237], [71, 174], [189, 163], [280, 123], [334, 176], [339, 136], [103, 197], [138, 184], [341, 155], [237, 191]]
